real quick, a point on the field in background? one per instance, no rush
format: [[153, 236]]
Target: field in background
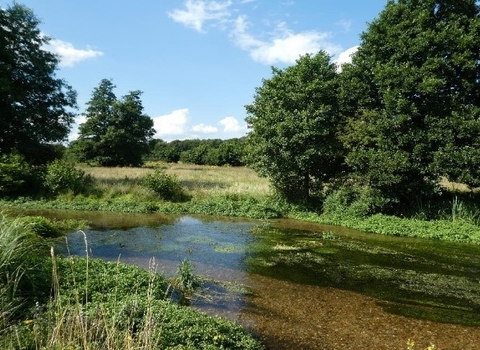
[[198, 180]]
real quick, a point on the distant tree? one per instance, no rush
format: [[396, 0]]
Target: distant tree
[[294, 122], [197, 155], [35, 106], [116, 132], [209, 152], [412, 95], [162, 151], [228, 152]]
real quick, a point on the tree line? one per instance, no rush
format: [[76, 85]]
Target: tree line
[[387, 127]]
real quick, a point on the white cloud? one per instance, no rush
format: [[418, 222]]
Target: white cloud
[[171, 124], [197, 12], [284, 47], [69, 55], [231, 124], [204, 129], [345, 57]]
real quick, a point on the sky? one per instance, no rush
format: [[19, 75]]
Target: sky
[[198, 62]]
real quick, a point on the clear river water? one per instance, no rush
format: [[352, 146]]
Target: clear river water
[[297, 285]]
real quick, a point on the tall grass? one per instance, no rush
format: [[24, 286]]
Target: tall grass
[[21, 268]]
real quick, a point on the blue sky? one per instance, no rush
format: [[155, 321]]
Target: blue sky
[[197, 62]]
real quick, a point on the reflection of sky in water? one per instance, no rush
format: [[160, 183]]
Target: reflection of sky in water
[[216, 249]]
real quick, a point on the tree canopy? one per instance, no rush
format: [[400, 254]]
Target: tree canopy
[[35, 106], [294, 121], [412, 96], [116, 132]]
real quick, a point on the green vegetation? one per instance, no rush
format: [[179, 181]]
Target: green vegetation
[[36, 107], [429, 280], [294, 122], [369, 147], [411, 97], [166, 186], [55, 302], [116, 132], [201, 152]]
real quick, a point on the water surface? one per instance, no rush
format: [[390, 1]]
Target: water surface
[[306, 286]]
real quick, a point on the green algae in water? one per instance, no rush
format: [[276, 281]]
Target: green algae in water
[[419, 278], [413, 278]]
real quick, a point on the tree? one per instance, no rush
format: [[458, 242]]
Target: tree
[[294, 122], [35, 106], [412, 96], [116, 132]]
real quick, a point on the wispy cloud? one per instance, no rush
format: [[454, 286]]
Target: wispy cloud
[[69, 55], [345, 24], [285, 46], [282, 46], [197, 12]]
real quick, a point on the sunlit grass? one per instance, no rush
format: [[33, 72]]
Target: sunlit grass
[[197, 180]]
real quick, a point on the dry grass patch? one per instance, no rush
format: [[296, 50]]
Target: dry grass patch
[[200, 180]]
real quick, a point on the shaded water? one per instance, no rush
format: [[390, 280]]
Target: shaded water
[[308, 286]]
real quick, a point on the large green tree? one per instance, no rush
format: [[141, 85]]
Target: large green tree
[[35, 106], [294, 121], [412, 95], [116, 132]]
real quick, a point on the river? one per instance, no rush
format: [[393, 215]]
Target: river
[[297, 285]]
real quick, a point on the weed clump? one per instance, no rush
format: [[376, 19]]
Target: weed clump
[[165, 186]]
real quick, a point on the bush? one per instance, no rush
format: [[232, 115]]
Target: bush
[[165, 186], [353, 201], [62, 177], [16, 175]]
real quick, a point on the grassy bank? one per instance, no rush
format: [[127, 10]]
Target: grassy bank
[[228, 191], [50, 302]]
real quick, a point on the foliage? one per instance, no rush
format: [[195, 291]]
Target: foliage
[[62, 176], [201, 152], [106, 305], [35, 105], [412, 97], [16, 175], [23, 277], [294, 121], [165, 186], [352, 200], [116, 132], [185, 278]]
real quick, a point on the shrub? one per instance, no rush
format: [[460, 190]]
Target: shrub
[[165, 186], [16, 175], [62, 177], [353, 201]]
